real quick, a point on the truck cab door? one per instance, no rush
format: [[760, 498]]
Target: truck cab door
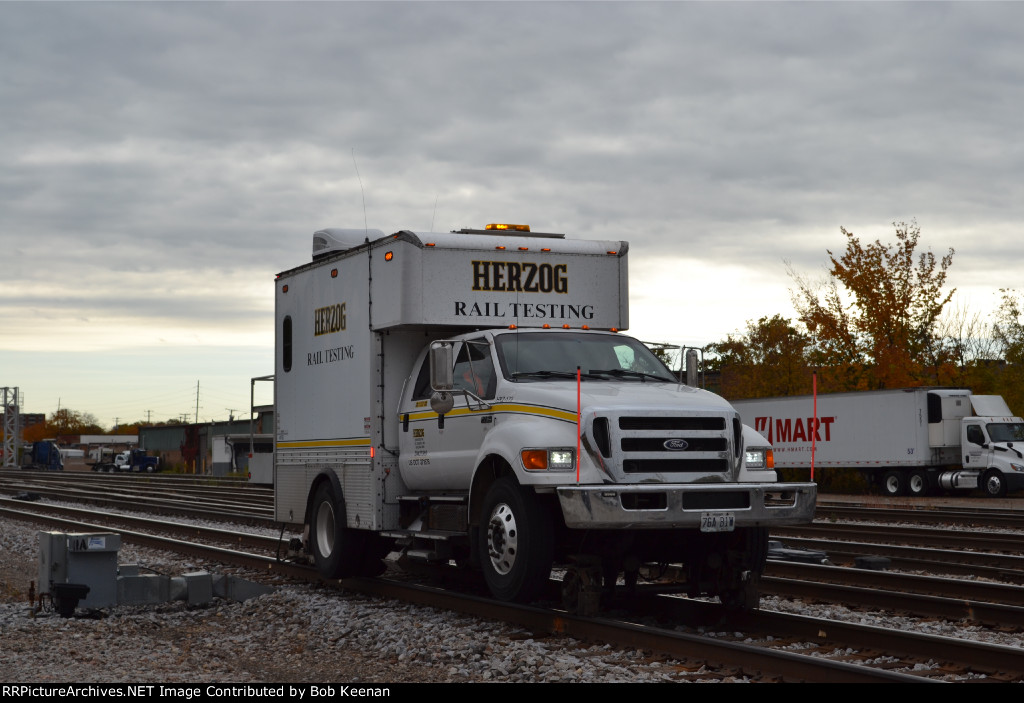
[[440, 453], [975, 455]]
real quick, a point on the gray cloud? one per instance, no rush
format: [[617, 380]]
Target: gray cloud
[[199, 141]]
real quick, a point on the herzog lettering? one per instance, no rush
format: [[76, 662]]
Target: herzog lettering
[[520, 277], [329, 319]]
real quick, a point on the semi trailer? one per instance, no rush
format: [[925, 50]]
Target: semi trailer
[[912, 441], [467, 398]]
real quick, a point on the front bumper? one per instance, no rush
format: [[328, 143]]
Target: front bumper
[[659, 506], [1014, 481]]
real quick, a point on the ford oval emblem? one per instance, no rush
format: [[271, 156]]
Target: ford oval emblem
[[675, 445]]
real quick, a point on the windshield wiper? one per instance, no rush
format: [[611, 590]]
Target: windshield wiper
[[626, 373], [550, 374]]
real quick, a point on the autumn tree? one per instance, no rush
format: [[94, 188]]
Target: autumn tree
[[67, 421], [873, 323], [768, 359], [1008, 332]]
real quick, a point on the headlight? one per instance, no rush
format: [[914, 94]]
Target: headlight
[[549, 459], [759, 458], [1017, 467]]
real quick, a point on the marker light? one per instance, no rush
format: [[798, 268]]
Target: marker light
[[508, 228], [334, 273], [388, 256]]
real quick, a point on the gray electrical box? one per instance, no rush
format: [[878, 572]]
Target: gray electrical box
[[89, 559]]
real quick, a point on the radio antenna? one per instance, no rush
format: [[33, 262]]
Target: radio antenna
[[432, 217], [366, 226]]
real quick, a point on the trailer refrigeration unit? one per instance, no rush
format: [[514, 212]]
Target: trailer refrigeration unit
[[428, 403], [912, 441]]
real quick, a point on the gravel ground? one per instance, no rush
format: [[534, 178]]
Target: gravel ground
[[297, 633], [306, 634]]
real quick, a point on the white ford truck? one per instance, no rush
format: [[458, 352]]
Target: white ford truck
[[467, 398]]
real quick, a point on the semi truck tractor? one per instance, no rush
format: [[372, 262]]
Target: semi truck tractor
[[43, 455], [911, 441], [129, 460], [467, 398]]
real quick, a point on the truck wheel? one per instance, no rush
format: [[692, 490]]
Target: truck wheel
[[515, 542], [894, 483], [993, 483], [751, 544], [337, 549], [919, 484]]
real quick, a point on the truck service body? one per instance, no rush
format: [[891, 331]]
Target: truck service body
[[428, 402], [908, 441]]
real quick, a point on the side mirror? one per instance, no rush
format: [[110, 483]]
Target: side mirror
[[442, 363], [691, 367], [442, 377]]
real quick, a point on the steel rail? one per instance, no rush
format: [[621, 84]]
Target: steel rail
[[894, 534], [999, 567], [949, 608]]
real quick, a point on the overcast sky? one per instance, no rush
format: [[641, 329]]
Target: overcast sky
[[160, 162]]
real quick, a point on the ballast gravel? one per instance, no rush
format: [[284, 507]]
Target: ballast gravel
[[295, 634], [307, 634]]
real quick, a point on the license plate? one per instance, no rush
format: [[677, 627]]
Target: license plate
[[717, 522]]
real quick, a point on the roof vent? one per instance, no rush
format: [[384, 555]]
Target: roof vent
[[328, 241]]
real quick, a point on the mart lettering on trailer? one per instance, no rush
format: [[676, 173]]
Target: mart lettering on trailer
[[799, 429], [329, 319], [520, 277]]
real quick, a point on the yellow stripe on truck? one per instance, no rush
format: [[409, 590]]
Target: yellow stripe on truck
[[509, 408]]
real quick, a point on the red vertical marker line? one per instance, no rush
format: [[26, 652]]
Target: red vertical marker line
[[814, 434], [578, 424]]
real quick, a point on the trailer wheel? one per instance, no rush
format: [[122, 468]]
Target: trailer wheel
[[993, 483], [894, 483], [919, 484], [337, 549], [516, 550]]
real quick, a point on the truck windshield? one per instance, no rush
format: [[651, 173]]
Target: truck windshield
[[1006, 431], [539, 356]]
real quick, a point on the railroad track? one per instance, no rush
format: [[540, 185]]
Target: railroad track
[[768, 660], [162, 494]]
